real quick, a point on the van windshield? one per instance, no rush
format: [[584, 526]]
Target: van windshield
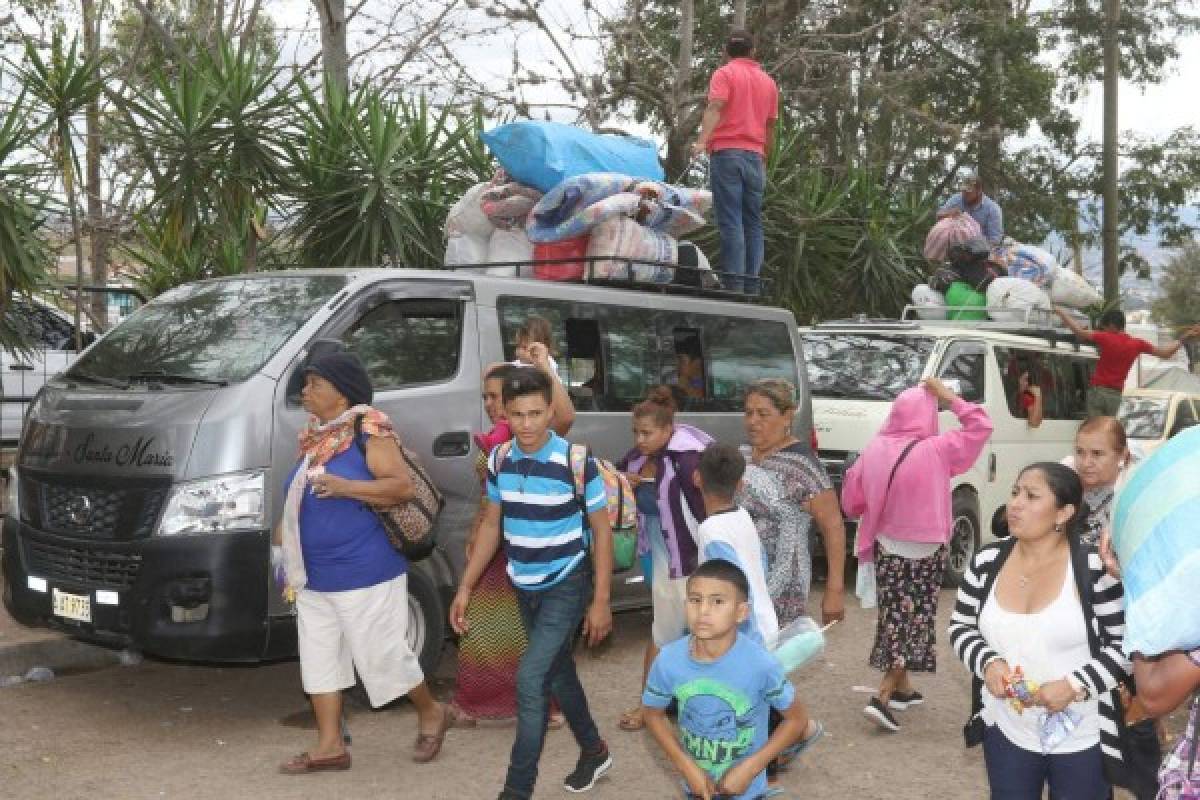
[[216, 332], [862, 366], [1143, 417]]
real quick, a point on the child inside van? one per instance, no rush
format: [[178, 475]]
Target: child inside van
[[725, 684]]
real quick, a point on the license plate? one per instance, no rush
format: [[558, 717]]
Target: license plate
[[72, 606]]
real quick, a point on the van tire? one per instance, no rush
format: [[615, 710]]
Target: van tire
[[426, 620], [964, 538]]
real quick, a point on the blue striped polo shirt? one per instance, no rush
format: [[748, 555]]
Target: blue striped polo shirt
[[544, 533]]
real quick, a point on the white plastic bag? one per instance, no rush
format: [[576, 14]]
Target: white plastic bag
[[931, 304], [1017, 294], [509, 247], [864, 584], [1072, 289], [799, 643], [463, 250], [467, 217]]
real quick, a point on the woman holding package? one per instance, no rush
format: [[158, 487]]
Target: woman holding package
[[900, 487], [661, 469], [785, 490], [1039, 622], [348, 581]]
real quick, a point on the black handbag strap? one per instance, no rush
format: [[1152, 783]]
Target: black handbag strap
[[903, 455]]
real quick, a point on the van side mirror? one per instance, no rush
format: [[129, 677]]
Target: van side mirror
[[318, 348]]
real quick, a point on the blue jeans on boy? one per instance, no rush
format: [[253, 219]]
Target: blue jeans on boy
[[551, 616], [1015, 773], [738, 178]]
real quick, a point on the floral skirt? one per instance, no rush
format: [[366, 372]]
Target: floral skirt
[[907, 591]]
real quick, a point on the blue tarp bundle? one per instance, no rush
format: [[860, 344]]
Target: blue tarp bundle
[[544, 154]]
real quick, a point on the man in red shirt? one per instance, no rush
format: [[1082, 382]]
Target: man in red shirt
[[1118, 351], [736, 131]]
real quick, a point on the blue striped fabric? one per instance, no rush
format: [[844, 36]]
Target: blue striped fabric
[[544, 532]]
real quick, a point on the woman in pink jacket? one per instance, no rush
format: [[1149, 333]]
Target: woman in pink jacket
[[900, 487]]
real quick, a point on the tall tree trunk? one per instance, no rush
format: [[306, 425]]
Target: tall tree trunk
[[680, 136], [739, 14], [991, 124], [68, 172], [334, 53], [95, 227]]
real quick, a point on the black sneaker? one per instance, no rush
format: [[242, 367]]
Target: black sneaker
[[588, 770], [509, 794], [902, 700], [876, 712]]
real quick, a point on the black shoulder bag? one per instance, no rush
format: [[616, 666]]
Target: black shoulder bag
[[1141, 753]]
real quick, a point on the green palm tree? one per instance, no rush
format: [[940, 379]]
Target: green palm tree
[[63, 85]]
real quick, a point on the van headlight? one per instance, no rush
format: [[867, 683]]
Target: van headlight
[[225, 503]]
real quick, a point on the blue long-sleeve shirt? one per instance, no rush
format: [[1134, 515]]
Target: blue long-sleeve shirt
[[986, 212]]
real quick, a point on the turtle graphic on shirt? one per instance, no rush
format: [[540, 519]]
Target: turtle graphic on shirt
[[716, 724]]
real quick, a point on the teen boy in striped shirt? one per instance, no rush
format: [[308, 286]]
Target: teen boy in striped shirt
[[531, 487]]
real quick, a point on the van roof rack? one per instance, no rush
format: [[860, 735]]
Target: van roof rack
[[692, 281], [1036, 322]]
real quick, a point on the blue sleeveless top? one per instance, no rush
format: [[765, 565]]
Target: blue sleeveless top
[[345, 545]]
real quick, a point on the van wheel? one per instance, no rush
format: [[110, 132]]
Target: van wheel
[[964, 538], [426, 620]]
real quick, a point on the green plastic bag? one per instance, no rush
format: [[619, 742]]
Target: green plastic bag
[[961, 294]]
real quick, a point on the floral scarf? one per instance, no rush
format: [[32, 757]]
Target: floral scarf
[[319, 444]]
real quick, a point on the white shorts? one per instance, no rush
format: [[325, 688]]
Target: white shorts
[[363, 629], [668, 597]]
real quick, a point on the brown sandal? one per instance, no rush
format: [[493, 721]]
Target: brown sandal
[[428, 745], [460, 718], [303, 764], [632, 720]]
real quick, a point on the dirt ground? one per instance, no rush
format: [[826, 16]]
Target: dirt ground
[[169, 730]]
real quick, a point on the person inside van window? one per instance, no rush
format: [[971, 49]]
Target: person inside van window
[[661, 468], [1101, 458], [350, 583], [689, 367], [1118, 351], [534, 347]]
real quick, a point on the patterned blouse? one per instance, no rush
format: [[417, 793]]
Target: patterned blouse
[[774, 493], [1179, 778]]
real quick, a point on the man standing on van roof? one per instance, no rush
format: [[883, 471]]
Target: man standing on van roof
[[1118, 351], [983, 209], [736, 131]]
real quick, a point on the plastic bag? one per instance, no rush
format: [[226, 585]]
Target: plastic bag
[[1154, 535], [464, 250], [466, 217], [1017, 294], [799, 643], [948, 231], [1072, 289], [961, 295], [930, 304], [864, 584], [507, 247], [544, 154], [1032, 264]]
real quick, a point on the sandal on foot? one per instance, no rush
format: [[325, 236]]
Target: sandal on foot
[[303, 764], [428, 745], [790, 754], [557, 721], [632, 720]]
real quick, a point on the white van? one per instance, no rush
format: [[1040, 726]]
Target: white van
[[856, 368]]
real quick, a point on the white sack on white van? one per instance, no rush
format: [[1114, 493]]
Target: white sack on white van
[[466, 217], [463, 250], [1017, 294], [1072, 289], [930, 303], [507, 247]]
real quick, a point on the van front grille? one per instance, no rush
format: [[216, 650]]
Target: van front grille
[[93, 511], [81, 564]]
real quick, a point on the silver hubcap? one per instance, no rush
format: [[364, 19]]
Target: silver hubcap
[[416, 626], [961, 544]]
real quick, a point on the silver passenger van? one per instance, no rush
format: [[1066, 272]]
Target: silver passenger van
[[151, 471]]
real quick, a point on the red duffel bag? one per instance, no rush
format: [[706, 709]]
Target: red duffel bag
[[562, 270]]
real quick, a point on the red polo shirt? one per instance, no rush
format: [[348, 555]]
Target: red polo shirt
[[751, 101]]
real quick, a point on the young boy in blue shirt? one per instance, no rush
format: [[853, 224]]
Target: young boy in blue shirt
[[725, 684]]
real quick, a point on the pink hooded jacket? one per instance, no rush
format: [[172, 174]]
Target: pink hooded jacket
[[918, 505]]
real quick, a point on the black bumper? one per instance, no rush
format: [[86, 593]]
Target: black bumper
[[153, 578]]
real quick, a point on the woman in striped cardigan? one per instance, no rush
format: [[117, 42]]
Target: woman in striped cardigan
[[1042, 602]]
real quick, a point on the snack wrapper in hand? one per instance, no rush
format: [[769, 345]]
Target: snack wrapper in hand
[[1055, 727], [1020, 691]]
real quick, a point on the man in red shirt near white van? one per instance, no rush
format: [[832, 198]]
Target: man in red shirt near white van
[[736, 131], [1118, 351]]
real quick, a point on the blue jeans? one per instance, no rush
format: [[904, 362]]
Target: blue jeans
[[738, 178], [1015, 773], [551, 618]]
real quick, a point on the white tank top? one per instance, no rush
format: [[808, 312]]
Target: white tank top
[[1048, 645]]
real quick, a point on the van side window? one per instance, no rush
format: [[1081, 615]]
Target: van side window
[[964, 362], [741, 351], [1062, 377], [1185, 417], [408, 342]]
